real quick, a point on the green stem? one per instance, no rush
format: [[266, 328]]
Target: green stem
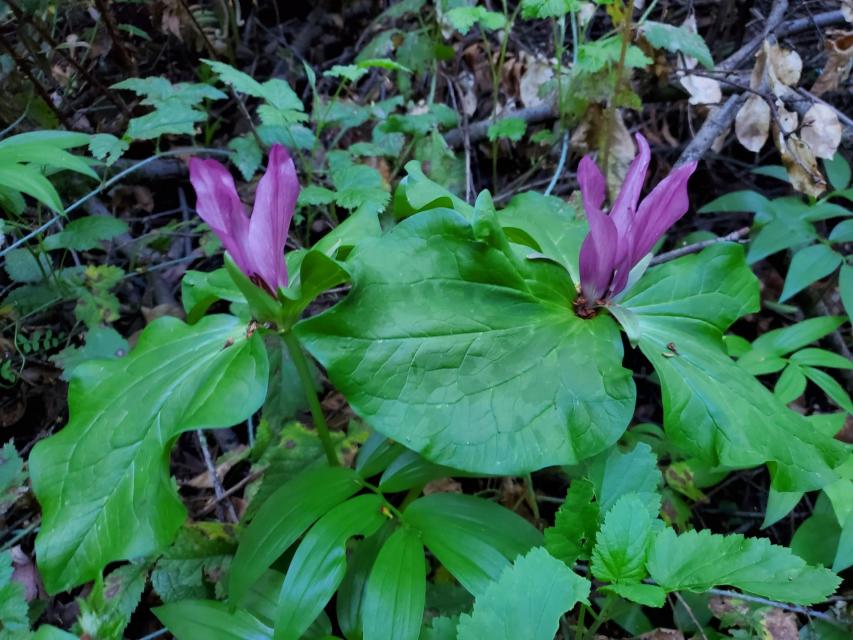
[[601, 618], [579, 628], [301, 364], [610, 113]]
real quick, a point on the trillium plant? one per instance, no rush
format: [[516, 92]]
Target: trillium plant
[[468, 341]]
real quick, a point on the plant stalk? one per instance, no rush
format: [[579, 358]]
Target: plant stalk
[[302, 369]]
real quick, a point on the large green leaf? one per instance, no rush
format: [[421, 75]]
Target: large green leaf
[[193, 619], [319, 564], [696, 561], [285, 516], [473, 538], [396, 590], [808, 265], [456, 346], [103, 481], [714, 409], [526, 601]]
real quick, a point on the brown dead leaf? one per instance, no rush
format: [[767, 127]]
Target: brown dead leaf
[[590, 135], [442, 485], [752, 123], [839, 62], [788, 120], [847, 10], [821, 130], [780, 625], [537, 72], [721, 606], [800, 163], [781, 68], [25, 573], [161, 310]]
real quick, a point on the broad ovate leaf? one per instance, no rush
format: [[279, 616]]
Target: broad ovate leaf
[[103, 481], [454, 344], [699, 560], [821, 130], [714, 409], [526, 601]]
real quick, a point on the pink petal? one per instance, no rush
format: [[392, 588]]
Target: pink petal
[[598, 251], [625, 206], [219, 206], [592, 183], [275, 201], [659, 210]]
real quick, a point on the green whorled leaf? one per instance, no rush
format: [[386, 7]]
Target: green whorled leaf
[[103, 481], [350, 596], [821, 358], [410, 470], [557, 227], [319, 564], [842, 232], [697, 561], [473, 538], [830, 387], [778, 234], [738, 201], [615, 474], [713, 409], [20, 178], [845, 288], [623, 540], [780, 342], [678, 40], [285, 516], [790, 385], [86, 233], [396, 589], [837, 171], [526, 601], [194, 619], [376, 454], [808, 265], [780, 504], [453, 345], [575, 524]]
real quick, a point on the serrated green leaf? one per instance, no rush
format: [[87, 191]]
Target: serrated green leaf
[[283, 518], [473, 538], [86, 233], [713, 409], [575, 524], [107, 147], [194, 619], [172, 118], [481, 327], [598, 54], [615, 474], [396, 590], [622, 542], [106, 611], [21, 265], [678, 40], [13, 603], [464, 17], [509, 128], [548, 8], [103, 481], [807, 266], [697, 561], [526, 601], [350, 72], [319, 564], [247, 155]]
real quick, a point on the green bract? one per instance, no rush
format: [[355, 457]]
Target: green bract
[[103, 481]]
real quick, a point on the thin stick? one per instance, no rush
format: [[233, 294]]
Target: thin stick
[[301, 364], [691, 614], [734, 236], [794, 608], [211, 469], [562, 163]]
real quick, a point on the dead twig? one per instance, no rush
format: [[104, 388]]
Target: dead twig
[[214, 478], [734, 236], [793, 608]]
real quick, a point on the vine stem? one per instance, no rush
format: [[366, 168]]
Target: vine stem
[[302, 369]]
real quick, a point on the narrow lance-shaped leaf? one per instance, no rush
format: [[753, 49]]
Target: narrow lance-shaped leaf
[[103, 481]]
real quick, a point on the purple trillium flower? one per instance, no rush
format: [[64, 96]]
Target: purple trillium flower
[[255, 244], [619, 240]]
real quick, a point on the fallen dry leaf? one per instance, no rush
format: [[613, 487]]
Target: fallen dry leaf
[[537, 71], [847, 10], [800, 163], [780, 68], [839, 62], [663, 634], [780, 625], [702, 90], [788, 120], [821, 130], [752, 123]]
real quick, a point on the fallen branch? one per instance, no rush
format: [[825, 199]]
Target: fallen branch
[[734, 236], [793, 608], [478, 130]]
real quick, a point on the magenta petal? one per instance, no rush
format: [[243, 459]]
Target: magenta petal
[[597, 256], [592, 183], [659, 210], [219, 206], [625, 206], [275, 201]]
